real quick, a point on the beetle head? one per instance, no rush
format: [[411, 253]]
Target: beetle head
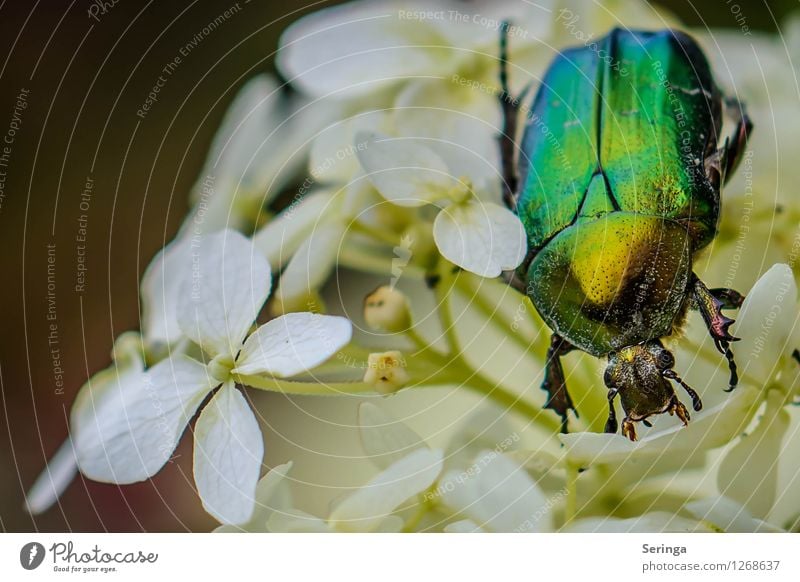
[[640, 374]]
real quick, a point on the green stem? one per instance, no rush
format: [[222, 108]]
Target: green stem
[[423, 347], [376, 233], [303, 388], [494, 315], [473, 378], [512, 401]]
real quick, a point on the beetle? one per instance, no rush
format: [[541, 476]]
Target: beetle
[[617, 182]]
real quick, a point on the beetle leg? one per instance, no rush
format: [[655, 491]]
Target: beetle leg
[[721, 164], [730, 298], [558, 399], [735, 145], [710, 305], [611, 423], [697, 404], [510, 106]]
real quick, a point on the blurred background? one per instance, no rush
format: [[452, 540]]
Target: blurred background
[[83, 69]]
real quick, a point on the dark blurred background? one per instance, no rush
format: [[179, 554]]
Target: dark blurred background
[[85, 79]]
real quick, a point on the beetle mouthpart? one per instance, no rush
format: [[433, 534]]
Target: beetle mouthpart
[[677, 408], [628, 429], [697, 404]]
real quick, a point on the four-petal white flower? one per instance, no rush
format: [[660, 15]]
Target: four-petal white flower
[[128, 432], [482, 237]]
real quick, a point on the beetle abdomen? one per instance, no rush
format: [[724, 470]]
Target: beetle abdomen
[[614, 281]]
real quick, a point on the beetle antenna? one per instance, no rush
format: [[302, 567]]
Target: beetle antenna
[[697, 404]]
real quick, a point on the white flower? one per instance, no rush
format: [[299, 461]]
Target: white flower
[[728, 516], [497, 494], [127, 368], [483, 238], [370, 507], [261, 145], [361, 49], [273, 494], [657, 521], [128, 432], [160, 294], [493, 491], [61, 469], [489, 489]]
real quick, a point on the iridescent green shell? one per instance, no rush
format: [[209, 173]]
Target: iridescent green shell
[[614, 195]]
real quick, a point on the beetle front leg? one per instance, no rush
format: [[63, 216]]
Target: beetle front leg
[[730, 298], [735, 145], [510, 106], [721, 164], [558, 399], [611, 423], [710, 303]]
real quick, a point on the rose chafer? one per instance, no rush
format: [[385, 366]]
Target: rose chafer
[[617, 181]]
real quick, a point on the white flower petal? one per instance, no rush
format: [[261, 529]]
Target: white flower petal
[[228, 450], [125, 425], [710, 428], [160, 290], [280, 238], [333, 152], [228, 285], [358, 48], [765, 323], [251, 115], [485, 239], [463, 526], [498, 495], [56, 477], [273, 494], [311, 265], [296, 521], [487, 427], [749, 472], [728, 515], [655, 522], [365, 509], [293, 343], [384, 439], [461, 121], [404, 170]]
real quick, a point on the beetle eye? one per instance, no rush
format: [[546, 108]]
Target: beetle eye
[[665, 360]]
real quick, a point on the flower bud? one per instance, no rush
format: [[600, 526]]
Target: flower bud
[[386, 310], [386, 372]]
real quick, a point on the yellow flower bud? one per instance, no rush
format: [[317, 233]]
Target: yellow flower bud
[[387, 372], [386, 310]]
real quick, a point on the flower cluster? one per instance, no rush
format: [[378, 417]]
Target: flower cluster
[[383, 163]]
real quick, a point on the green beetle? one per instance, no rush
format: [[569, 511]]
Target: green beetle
[[617, 181]]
